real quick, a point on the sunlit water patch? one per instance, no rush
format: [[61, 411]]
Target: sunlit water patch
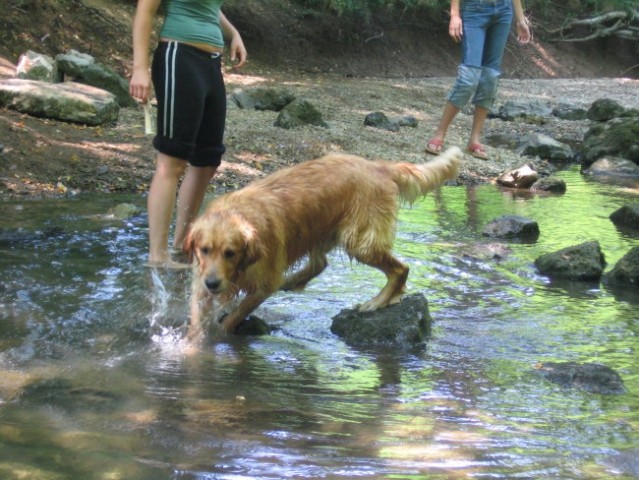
[[96, 380]]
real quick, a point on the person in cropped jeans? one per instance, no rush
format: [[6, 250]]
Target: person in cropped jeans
[[482, 27]]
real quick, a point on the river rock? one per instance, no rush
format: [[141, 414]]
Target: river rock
[[550, 184], [545, 147], [380, 120], [569, 112], [69, 101], [512, 226], [402, 325], [298, 113], [37, 66], [604, 109], [83, 68], [525, 111], [62, 393], [273, 99], [616, 138], [626, 216], [626, 461], [406, 121], [625, 273], [612, 167], [522, 177], [589, 377], [123, 211], [583, 262]]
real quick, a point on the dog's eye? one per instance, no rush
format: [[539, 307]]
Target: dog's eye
[[228, 253]]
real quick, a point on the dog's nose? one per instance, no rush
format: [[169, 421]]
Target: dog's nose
[[213, 284]]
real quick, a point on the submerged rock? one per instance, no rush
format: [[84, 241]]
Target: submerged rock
[[401, 325], [589, 377], [512, 226]]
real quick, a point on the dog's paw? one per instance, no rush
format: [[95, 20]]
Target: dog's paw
[[369, 306]]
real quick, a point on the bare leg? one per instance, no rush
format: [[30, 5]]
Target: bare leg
[[160, 205], [479, 119], [448, 115], [190, 197]]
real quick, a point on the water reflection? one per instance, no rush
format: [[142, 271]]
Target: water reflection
[[94, 382]]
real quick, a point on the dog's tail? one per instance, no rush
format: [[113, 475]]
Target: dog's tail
[[416, 180]]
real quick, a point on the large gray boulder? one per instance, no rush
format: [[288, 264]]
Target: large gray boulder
[[83, 68], [36, 66], [402, 325], [583, 262], [70, 101]]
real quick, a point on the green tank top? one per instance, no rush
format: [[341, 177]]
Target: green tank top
[[195, 21]]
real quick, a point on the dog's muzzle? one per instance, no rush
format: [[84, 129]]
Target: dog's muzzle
[[214, 284]]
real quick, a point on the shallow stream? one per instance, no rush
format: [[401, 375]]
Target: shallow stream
[[94, 382]]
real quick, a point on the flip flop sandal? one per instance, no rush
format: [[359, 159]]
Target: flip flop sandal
[[434, 147], [477, 150]]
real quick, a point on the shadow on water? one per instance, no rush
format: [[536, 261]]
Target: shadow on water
[[94, 382]]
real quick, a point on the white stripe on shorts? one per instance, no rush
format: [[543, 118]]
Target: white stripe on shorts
[[169, 89]]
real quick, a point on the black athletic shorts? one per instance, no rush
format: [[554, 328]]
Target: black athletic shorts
[[189, 88]]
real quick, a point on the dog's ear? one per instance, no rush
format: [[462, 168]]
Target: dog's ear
[[188, 246], [253, 250]]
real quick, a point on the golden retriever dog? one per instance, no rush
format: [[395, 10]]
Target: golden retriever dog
[[246, 243]]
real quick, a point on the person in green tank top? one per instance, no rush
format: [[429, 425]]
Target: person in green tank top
[[188, 82]]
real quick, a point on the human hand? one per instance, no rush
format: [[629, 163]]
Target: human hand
[[238, 52], [455, 28], [523, 32], [140, 85]]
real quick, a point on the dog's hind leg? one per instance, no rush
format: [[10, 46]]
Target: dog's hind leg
[[317, 263], [396, 274]]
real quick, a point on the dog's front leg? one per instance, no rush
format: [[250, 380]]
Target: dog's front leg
[[201, 303], [249, 303]]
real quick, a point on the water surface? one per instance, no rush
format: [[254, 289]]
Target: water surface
[[94, 382]]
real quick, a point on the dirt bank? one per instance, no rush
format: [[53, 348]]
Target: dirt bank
[[395, 68]]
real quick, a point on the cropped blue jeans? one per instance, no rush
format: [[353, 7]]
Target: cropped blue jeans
[[486, 25]]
